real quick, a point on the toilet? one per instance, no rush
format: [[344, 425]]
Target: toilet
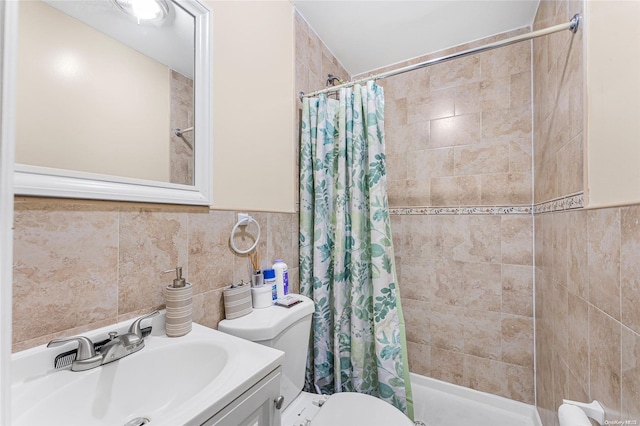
[[288, 330]]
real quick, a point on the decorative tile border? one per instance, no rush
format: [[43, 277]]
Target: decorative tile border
[[478, 210], [571, 202]]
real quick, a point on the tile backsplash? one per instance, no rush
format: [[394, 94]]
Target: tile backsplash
[[80, 265]]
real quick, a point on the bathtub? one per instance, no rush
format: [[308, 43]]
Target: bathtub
[[437, 403]]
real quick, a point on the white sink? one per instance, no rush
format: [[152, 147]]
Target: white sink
[[171, 381]]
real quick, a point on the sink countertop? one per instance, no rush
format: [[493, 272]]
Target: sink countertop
[[152, 376]]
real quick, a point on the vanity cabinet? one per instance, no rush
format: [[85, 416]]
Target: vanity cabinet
[[255, 407]]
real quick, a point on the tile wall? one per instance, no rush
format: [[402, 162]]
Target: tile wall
[[587, 318], [459, 134], [80, 265], [587, 285], [181, 117], [558, 99]]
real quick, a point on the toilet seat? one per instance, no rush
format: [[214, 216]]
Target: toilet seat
[[357, 409]]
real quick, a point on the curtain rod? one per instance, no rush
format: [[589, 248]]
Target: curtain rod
[[572, 26]]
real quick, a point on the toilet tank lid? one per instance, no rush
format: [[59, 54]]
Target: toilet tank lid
[[267, 323]]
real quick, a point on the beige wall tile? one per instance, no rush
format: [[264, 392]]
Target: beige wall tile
[[108, 259], [481, 158], [517, 290], [630, 267], [455, 191], [406, 138], [559, 256], [417, 278], [507, 125], [520, 383], [520, 156], [417, 193], [504, 62], [604, 356], [485, 375], [517, 340], [578, 343], [482, 286], [65, 268], [578, 279], [454, 131], [419, 242], [151, 241], [447, 327], [482, 96], [280, 238], [517, 239], [482, 334], [467, 238], [417, 320], [455, 73], [448, 287], [419, 358], [430, 106], [520, 89], [505, 189], [208, 308], [211, 261], [425, 164], [397, 233], [570, 167], [630, 364], [558, 317], [603, 227], [447, 365]]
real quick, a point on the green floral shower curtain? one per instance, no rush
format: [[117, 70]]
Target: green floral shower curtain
[[347, 262]]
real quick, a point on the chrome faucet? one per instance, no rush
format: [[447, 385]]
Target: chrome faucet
[[117, 347], [126, 344]]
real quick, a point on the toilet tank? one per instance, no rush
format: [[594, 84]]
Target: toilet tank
[[285, 329]]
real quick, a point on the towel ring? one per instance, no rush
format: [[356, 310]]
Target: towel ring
[[244, 219]]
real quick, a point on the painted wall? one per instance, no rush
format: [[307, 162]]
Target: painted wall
[[613, 102], [459, 134], [586, 280], [253, 119], [96, 106]]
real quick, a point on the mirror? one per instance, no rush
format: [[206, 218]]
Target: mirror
[[112, 106]]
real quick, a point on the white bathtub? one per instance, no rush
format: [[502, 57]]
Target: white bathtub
[[438, 403]]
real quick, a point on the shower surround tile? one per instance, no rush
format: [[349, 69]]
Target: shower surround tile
[[458, 137]]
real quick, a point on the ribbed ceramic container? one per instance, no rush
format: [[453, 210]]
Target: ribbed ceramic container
[[237, 301], [179, 310]]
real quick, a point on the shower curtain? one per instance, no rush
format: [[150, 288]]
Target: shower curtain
[[347, 264]]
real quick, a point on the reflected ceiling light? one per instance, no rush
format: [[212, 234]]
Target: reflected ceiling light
[[144, 10]]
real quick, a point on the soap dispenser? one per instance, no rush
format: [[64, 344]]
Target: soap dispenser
[[179, 299]]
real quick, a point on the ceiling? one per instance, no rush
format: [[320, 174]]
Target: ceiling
[[170, 42], [365, 35]]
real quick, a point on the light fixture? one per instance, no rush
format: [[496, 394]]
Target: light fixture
[[144, 10]]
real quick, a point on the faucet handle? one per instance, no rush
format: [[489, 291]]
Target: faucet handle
[[86, 357], [85, 346], [135, 326]]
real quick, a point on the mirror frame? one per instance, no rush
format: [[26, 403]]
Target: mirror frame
[[59, 183]]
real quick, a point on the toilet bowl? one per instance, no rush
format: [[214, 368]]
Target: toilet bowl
[[288, 330]]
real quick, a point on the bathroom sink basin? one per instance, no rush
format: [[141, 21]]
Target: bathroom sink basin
[[171, 381]]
